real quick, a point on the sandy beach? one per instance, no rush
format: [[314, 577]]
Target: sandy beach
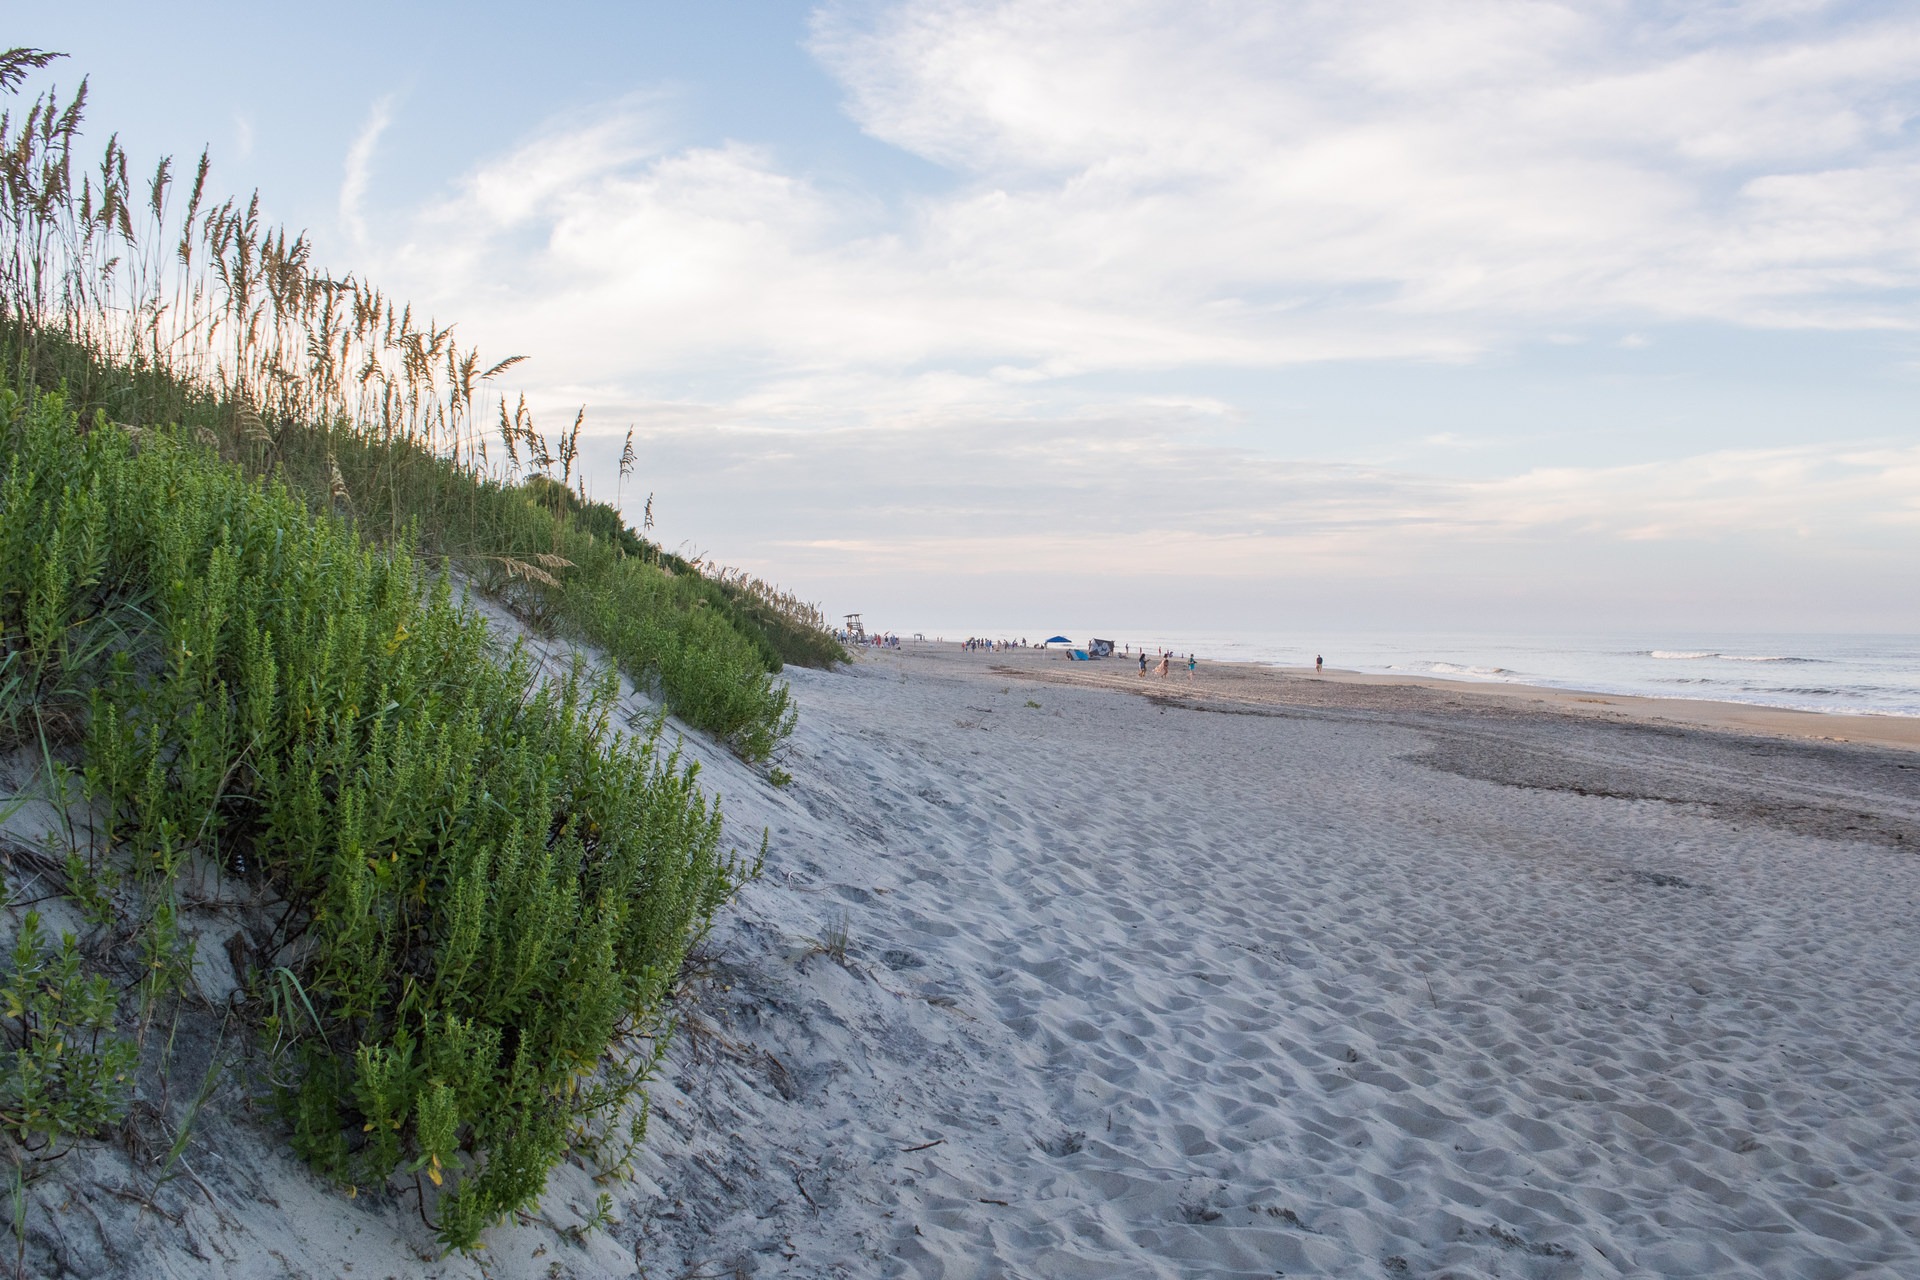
[[1369, 980], [1047, 977], [1333, 688], [449, 832]]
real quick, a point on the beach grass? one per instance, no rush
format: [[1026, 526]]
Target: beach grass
[[156, 306], [487, 886], [241, 500]]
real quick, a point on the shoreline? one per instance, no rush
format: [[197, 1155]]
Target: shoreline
[[1259, 684]]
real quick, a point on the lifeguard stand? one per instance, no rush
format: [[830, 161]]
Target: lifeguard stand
[[855, 632]]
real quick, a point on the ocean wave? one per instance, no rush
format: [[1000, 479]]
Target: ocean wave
[[1810, 692], [1689, 655], [1458, 669]]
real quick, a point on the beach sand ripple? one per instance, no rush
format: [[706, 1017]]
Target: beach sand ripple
[[1135, 989]]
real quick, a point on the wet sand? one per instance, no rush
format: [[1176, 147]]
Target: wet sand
[[1258, 684]]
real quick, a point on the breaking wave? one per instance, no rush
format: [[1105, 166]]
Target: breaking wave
[[1456, 669], [1688, 655]]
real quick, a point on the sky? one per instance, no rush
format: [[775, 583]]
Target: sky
[[1243, 315]]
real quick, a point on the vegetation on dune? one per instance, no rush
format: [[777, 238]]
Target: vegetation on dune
[[239, 499], [156, 306], [782, 627], [484, 886]]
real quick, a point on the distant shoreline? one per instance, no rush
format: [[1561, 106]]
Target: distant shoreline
[[1837, 674], [1253, 683]]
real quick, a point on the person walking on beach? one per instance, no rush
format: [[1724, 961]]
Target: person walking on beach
[[1317, 660], [1143, 662], [1166, 660], [1190, 665]]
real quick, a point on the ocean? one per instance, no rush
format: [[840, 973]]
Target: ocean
[[1870, 674]]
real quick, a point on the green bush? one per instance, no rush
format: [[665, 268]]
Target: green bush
[[648, 617], [483, 889], [487, 888], [776, 623], [709, 672], [154, 302], [64, 1072]]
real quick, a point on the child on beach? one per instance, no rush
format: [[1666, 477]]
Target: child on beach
[[1143, 662], [1190, 665], [1166, 660]]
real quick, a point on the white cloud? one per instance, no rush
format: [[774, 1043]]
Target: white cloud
[[1479, 162], [1843, 495], [1017, 497], [359, 167], [1142, 185]]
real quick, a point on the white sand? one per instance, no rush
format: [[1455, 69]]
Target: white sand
[[1240, 995], [1297, 991]]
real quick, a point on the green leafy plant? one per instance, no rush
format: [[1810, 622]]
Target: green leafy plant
[[155, 309], [234, 493], [64, 1073], [491, 886], [599, 1219]]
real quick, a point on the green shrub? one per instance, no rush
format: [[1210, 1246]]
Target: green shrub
[[636, 607], [157, 305], [488, 889], [484, 889], [778, 624], [64, 1073], [708, 672]]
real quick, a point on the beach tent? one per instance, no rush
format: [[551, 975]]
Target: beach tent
[[1056, 640]]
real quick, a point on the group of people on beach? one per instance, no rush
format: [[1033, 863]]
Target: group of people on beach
[[978, 644], [872, 639], [1166, 664]]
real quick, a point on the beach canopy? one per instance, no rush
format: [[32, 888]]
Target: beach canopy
[[1057, 640]]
